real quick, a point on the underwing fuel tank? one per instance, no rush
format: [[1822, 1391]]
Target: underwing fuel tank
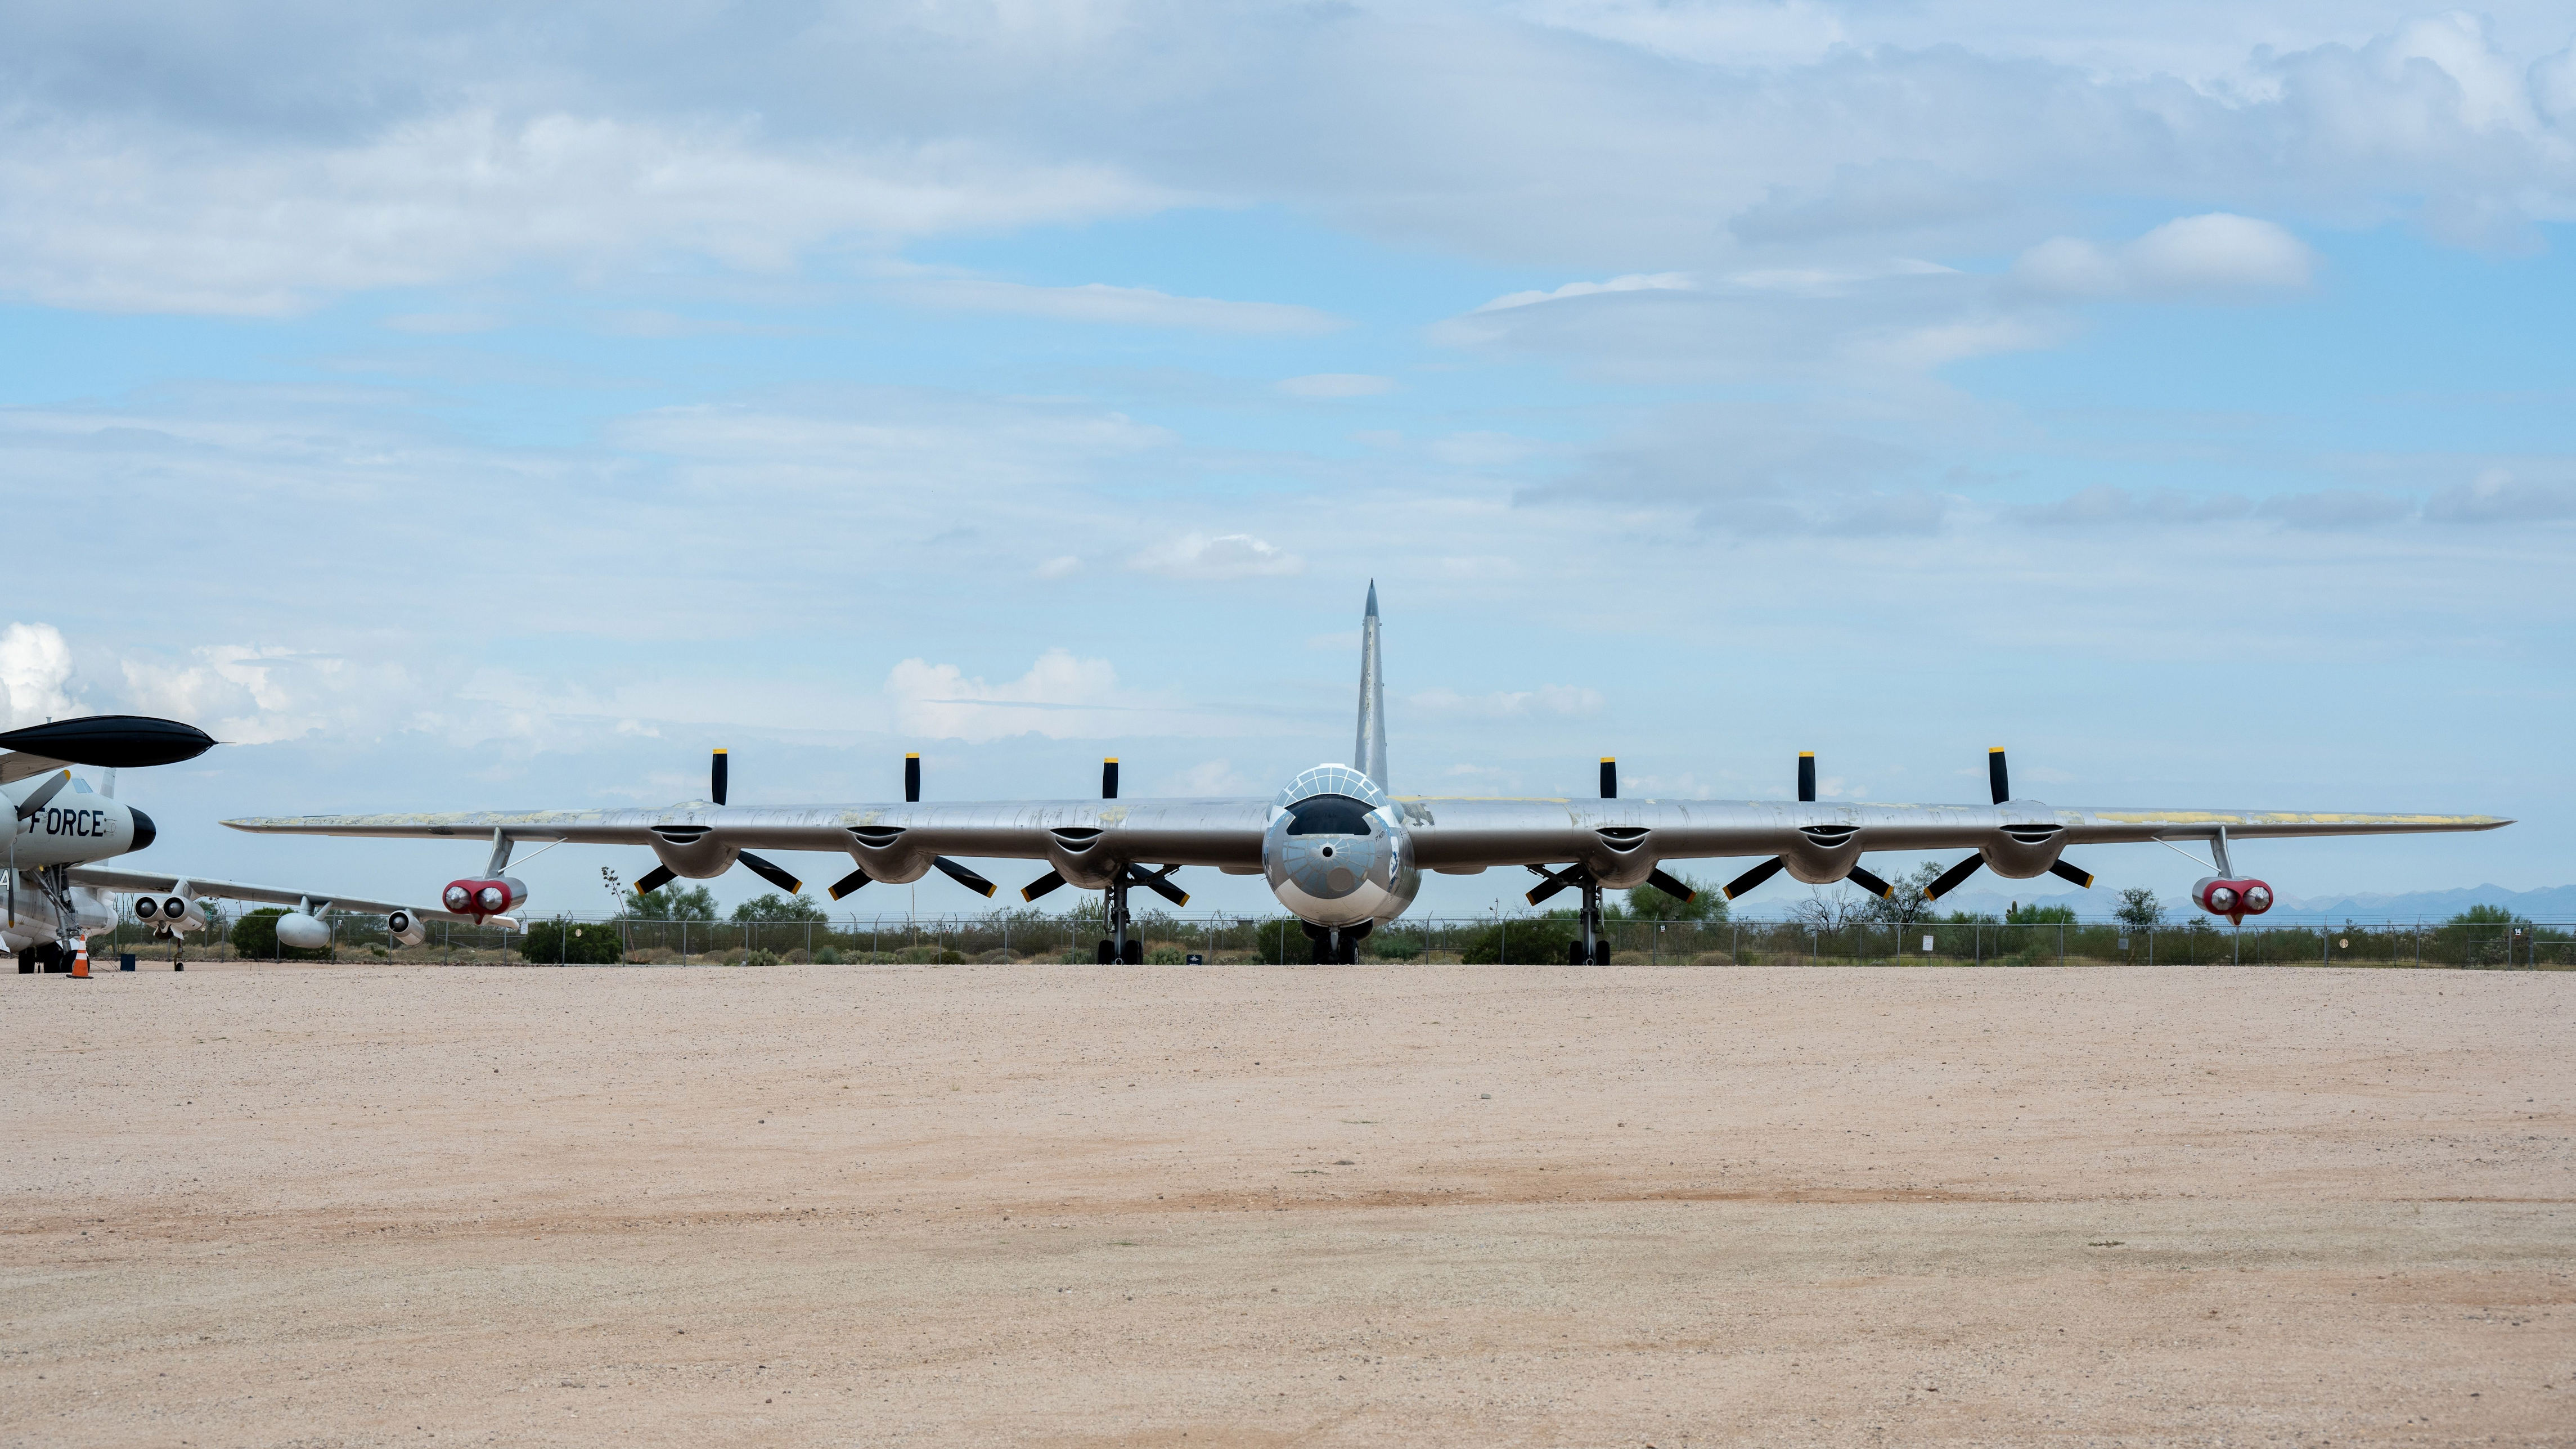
[[1335, 852]]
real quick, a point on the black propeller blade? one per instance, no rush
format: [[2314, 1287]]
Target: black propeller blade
[[1159, 882], [654, 879], [1552, 881], [1996, 776], [1609, 778], [1672, 887], [1754, 877], [771, 873], [850, 882], [912, 779], [1870, 883], [1807, 776], [716, 779], [1949, 880], [2063, 871], [1109, 778], [1041, 885], [960, 874]]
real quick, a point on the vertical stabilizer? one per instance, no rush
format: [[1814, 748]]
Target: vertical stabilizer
[[1369, 754]]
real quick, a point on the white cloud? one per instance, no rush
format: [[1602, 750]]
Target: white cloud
[[35, 665], [1634, 282], [128, 216], [2214, 253], [1061, 697], [1221, 556], [236, 693], [1124, 306], [1712, 32], [1337, 384], [1564, 700]]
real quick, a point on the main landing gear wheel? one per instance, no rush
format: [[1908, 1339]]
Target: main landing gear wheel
[[1135, 953], [27, 962], [1108, 952], [1601, 954]]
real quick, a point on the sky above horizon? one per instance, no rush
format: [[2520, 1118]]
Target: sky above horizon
[[457, 407]]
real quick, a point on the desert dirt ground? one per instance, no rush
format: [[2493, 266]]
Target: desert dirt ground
[[1303, 1205]]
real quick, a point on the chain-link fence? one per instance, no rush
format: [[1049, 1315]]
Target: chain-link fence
[[1032, 938]]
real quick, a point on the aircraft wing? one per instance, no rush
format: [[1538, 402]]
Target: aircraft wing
[[19, 765], [1448, 833], [1222, 833], [146, 882], [1468, 833]]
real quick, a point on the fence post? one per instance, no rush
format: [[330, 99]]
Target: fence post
[[2061, 943]]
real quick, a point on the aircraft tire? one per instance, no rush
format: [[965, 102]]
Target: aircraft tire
[[1108, 952], [51, 960], [1574, 955], [27, 962], [1601, 954], [1135, 953]]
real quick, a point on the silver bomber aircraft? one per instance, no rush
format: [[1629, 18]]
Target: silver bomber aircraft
[[1345, 856], [59, 826]]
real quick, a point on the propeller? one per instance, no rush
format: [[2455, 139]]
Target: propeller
[[661, 875], [1999, 782], [1159, 882], [1769, 868], [1578, 875], [1553, 881], [43, 795], [949, 868]]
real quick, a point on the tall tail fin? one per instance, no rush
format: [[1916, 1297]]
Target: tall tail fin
[[1369, 753]]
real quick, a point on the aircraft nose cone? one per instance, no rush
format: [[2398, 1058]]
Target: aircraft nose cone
[[144, 830]]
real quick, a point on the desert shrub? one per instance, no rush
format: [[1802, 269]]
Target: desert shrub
[[827, 956], [759, 958], [1539, 942], [572, 943], [1395, 948]]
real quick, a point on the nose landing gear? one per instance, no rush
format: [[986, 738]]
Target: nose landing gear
[[1336, 945]]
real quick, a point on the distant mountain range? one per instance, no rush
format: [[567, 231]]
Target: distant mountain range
[[2548, 904]]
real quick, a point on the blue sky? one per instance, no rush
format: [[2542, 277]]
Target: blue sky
[[463, 409]]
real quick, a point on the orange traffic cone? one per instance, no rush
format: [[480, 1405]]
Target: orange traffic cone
[[80, 962]]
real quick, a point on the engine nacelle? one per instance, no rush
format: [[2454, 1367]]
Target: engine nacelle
[[2231, 897], [2022, 851], [693, 851], [303, 932], [1336, 853], [406, 929], [481, 898], [887, 857], [170, 915]]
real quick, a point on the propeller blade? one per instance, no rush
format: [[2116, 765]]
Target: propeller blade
[[849, 883], [1672, 887], [1041, 885], [771, 873], [1159, 882], [1552, 881], [912, 779], [38, 798], [1109, 778], [1609, 778], [1807, 775], [2063, 871], [1949, 879], [716, 779], [1995, 775], [960, 874], [654, 879], [1870, 883], [1754, 877]]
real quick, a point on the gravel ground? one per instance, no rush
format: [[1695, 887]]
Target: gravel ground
[[1308, 1205]]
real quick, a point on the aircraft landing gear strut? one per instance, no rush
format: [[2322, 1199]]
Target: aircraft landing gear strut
[[1336, 945], [1118, 948], [1593, 949]]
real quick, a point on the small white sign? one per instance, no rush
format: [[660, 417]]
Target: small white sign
[[1927, 943]]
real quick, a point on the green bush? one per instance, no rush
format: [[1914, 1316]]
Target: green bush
[[1163, 956], [254, 938], [1540, 942], [572, 943], [828, 956], [1395, 948], [760, 958]]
